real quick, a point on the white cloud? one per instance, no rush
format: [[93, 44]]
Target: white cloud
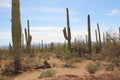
[[45, 28], [5, 38], [46, 9], [54, 34], [114, 12], [5, 3], [46, 33], [5, 35], [50, 9], [52, 18]]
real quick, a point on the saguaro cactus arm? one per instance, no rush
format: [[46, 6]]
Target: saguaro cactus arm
[[26, 35], [65, 34]]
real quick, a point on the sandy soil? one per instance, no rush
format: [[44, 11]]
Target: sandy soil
[[63, 73]]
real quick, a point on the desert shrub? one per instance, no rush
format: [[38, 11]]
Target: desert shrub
[[69, 63], [48, 73], [59, 50], [98, 64], [8, 69], [96, 48], [92, 67], [111, 48], [110, 67], [4, 78], [79, 46]]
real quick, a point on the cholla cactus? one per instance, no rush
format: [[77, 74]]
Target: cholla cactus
[[28, 38], [67, 33], [16, 34]]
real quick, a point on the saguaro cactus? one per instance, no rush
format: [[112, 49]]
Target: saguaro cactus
[[119, 33], [67, 33], [107, 37], [96, 37], [100, 43], [52, 46], [16, 34], [42, 46], [89, 35], [28, 37], [10, 48], [104, 38]]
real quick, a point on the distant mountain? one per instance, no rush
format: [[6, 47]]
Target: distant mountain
[[4, 47]]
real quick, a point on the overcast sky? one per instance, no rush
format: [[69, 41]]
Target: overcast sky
[[48, 18]]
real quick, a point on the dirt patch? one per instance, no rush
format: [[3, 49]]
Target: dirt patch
[[105, 76], [66, 77]]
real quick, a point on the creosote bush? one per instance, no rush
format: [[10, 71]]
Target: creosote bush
[[48, 73]]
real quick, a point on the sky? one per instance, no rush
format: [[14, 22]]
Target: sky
[[48, 18]]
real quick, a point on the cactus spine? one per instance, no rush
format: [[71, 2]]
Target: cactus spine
[[16, 35], [67, 34], [89, 35], [28, 38], [100, 43]]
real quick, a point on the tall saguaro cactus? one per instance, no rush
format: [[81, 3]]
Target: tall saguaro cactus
[[89, 35], [28, 37], [100, 43], [119, 33], [16, 34], [67, 32], [96, 37]]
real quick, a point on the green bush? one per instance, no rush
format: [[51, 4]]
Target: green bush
[[48, 73], [92, 67], [110, 67], [69, 64], [4, 78]]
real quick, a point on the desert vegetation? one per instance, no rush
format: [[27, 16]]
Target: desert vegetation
[[72, 60]]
